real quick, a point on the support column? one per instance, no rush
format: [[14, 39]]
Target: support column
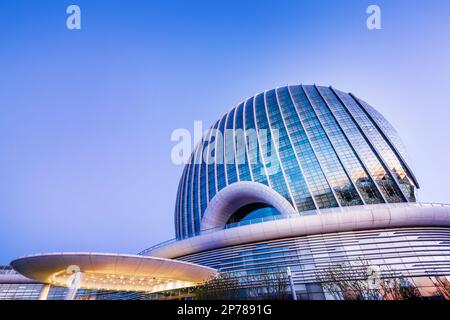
[[74, 286], [291, 284], [44, 292]]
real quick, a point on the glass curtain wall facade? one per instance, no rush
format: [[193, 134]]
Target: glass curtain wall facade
[[332, 150], [15, 287]]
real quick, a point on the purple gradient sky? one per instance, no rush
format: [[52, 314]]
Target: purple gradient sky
[[86, 116]]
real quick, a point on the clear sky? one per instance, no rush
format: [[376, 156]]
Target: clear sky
[[86, 115]]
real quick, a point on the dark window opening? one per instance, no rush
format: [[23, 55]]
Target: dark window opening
[[253, 211]]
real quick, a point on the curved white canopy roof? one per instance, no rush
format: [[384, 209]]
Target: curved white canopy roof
[[117, 272]]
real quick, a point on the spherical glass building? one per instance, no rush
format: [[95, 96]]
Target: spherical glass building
[[309, 147], [297, 181], [306, 178]]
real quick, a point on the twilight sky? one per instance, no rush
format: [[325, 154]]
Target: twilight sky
[[86, 115]]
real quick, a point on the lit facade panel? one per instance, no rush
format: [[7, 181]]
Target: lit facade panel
[[316, 146]]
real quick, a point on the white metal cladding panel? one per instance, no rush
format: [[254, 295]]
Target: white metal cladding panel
[[408, 251], [355, 218]]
